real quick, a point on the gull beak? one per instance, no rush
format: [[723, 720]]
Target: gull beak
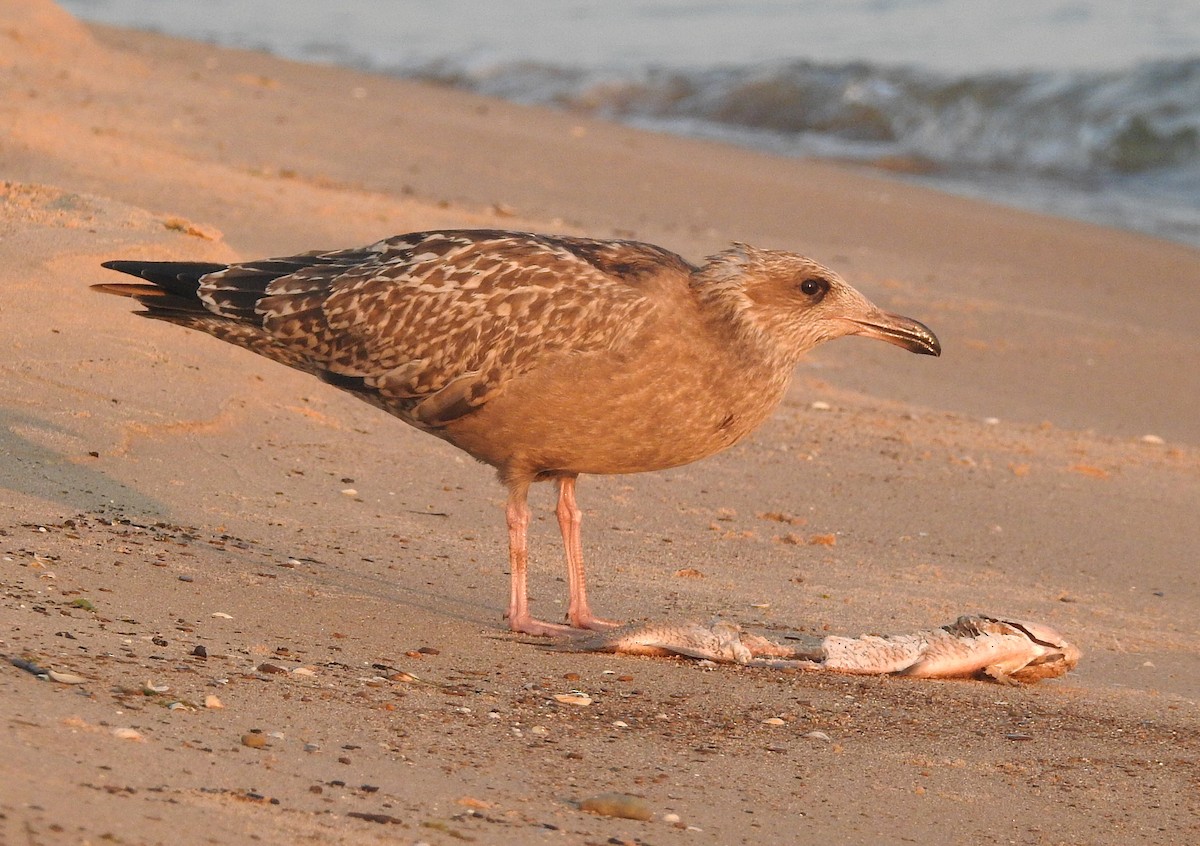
[[901, 331]]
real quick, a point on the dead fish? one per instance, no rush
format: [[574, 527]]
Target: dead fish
[[973, 646]]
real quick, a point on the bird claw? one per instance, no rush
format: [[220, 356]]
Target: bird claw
[[594, 624], [530, 625]]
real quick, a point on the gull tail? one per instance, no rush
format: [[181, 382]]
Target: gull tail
[[173, 289], [178, 292]]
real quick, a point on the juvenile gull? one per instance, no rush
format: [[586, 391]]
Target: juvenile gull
[[543, 356]]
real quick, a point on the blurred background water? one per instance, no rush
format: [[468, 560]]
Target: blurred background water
[[1084, 109]]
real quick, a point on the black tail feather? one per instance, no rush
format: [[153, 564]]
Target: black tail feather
[[173, 285], [180, 278]]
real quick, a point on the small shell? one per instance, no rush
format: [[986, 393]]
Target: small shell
[[575, 697], [65, 678], [128, 734]]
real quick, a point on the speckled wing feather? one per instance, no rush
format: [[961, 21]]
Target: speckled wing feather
[[431, 325]]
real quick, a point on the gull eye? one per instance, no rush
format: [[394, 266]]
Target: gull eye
[[815, 288]]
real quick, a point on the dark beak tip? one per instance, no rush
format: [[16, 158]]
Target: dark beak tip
[[921, 339]]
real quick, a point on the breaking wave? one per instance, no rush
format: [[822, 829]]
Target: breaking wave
[[1067, 124]]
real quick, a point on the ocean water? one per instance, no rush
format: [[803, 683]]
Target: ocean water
[[1084, 109]]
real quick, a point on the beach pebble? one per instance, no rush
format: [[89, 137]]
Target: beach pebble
[[222, 615], [1152, 439], [382, 819], [128, 734], [254, 741], [213, 702], [617, 805], [773, 721], [817, 735], [820, 405]]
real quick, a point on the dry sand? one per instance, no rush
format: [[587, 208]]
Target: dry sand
[[163, 492]]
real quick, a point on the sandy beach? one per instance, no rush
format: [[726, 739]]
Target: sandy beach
[[185, 525]]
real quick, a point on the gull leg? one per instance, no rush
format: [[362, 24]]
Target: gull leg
[[516, 514], [570, 521]]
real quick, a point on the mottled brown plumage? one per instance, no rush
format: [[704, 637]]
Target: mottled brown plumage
[[546, 357]]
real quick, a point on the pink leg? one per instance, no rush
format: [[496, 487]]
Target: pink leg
[[570, 521], [516, 512]]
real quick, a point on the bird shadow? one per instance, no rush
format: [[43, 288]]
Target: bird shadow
[[36, 470]]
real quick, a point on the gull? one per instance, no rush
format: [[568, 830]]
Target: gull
[[547, 357]]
